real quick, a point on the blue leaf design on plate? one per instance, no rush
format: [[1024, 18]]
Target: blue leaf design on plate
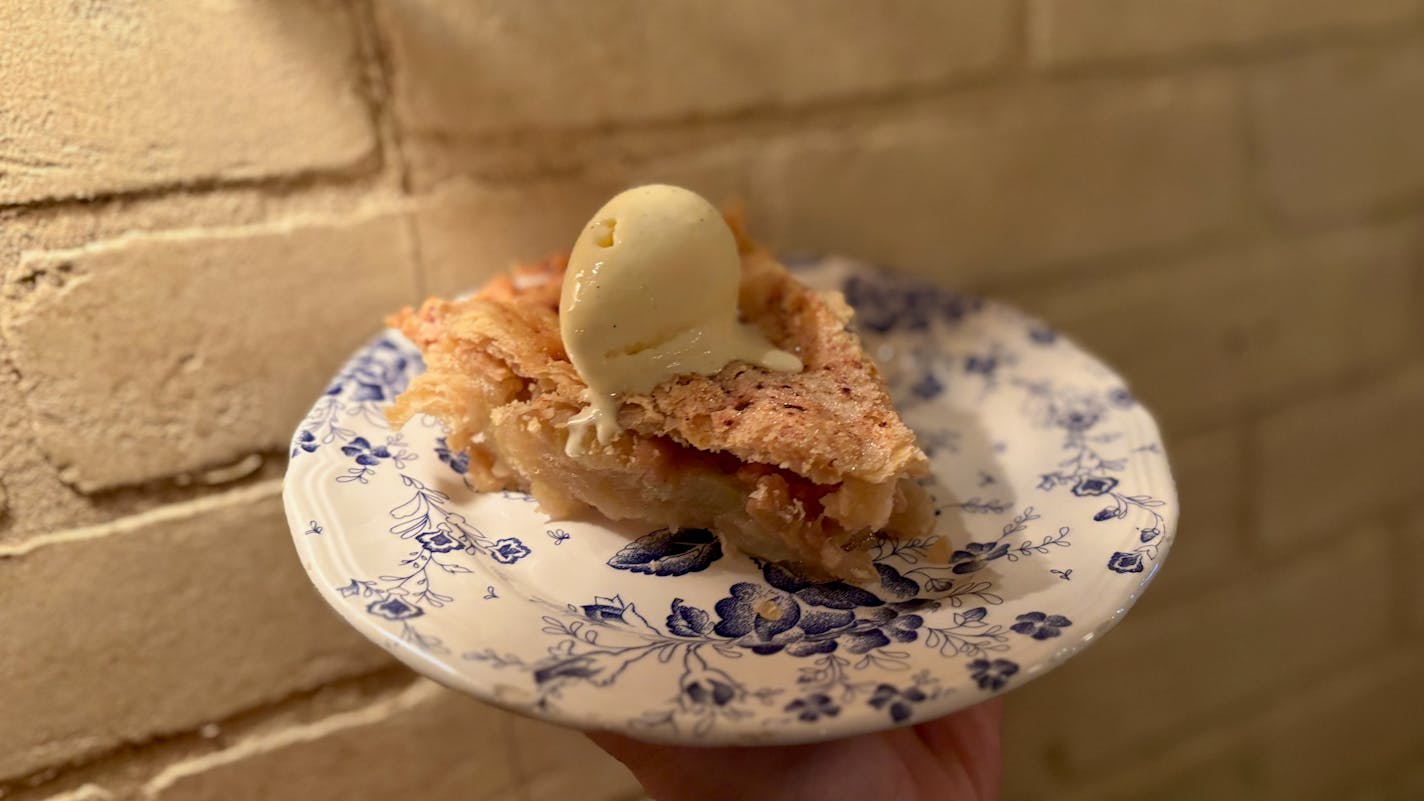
[[688, 621], [838, 595], [669, 553], [896, 585]]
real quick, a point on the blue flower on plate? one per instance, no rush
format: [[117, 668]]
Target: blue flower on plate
[[459, 461], [758, 613], [992, 675], [688, 621], [1092, 486], [976, 555], [982, 365], [365, 454], [812, 708], [1121, 562], [509, 550], [708, 688], [438, 541], [1039, 625], [1042, 336], [606, 609], [1077, 420], [1149, 534], [883, 303], [306, 440], [928, 387], [1107, 513], [394, 608], [881, 626], [898, 700]]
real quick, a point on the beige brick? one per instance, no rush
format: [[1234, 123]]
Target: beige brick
[[1015, 182], [561, 764], [1074, 32], [449, 746], [1220, 764], [160, 623], [1333, 459], [1403, 782], [469, 232], [1210, 547], [154, 354], [1177, 667], [1341, 130], [1406, 577], [1350, 729], [99, 97], [1210, 337], [491, 66]]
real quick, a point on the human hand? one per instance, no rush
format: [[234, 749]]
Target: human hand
[[955, 758]]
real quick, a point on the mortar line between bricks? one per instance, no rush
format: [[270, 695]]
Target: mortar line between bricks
[[379, 66], [162, 514], [365, 169], [809, 114], [1065, 274], [253, 745], [383, 682], [1248, 55], [379, 208]]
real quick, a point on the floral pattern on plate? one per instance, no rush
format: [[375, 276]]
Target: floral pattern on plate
[[1055, 507]]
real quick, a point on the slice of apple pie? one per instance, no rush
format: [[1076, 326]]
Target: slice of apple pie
[[805, 466]]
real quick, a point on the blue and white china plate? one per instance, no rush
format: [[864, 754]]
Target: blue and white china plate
[[1056, 508]]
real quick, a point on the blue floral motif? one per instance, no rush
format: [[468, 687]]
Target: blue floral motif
[[976, 556], [709, 687], [884, 303], [439, 541], [668, 552], [306, 441], [509, 550], [1121, 562], [879, 627], [688, 621], [1078, 420], [1087, 472], [897, 700], [1092, 486], [612, 608], [1041, 335], [1039, 625], [812, 708], [992, 674], [981, 364], [394, 608], [364, 453], [764, 616], [928, 387], [459, 461]]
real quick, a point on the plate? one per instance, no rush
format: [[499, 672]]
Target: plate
[[1055, 508]]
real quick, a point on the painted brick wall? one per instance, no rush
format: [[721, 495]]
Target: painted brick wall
[[1224, 197]]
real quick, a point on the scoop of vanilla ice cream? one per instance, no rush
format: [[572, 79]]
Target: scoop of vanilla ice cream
[[651, 293]]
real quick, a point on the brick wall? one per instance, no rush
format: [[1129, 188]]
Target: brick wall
[[1224, 197]]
